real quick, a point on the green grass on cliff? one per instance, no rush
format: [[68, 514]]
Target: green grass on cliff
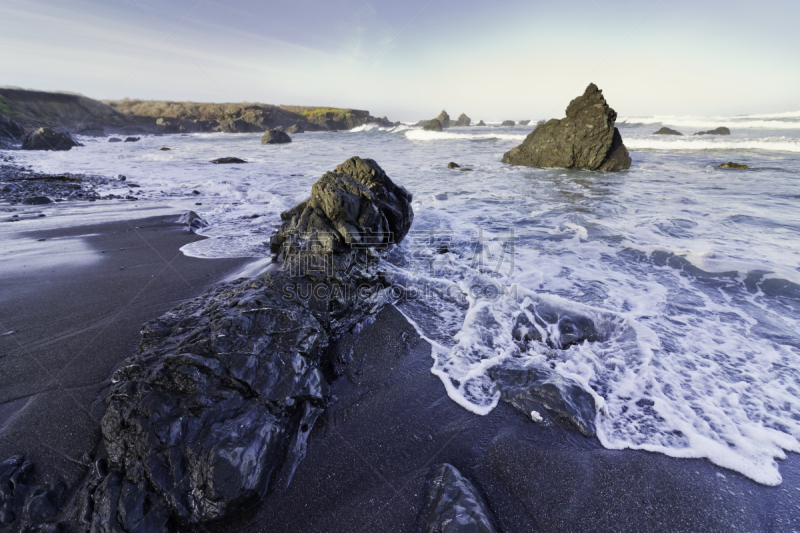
[[320, 112], [4, 109]]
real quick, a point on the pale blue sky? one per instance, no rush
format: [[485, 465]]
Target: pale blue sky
[[408, 60]]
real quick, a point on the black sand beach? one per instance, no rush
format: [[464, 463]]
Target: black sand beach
[[75, 321]]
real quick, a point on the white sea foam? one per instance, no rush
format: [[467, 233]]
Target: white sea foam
[[777, 121], [417, 134], [777, 144]]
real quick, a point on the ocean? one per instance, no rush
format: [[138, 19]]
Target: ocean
[[689, 274]]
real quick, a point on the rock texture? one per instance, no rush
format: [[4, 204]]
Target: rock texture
[[47, 139], [227, 160], [453, 164], [722, 130], [508, 123], [10, 129], [217, 407], [667, 131], [481, 123], [433, 125], [463, 120], [275, 137], [585, 139], [454, 505], [444, 119], [23, 501], [733, 165]]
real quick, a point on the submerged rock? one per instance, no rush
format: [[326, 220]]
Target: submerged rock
[[275, 137], [452, 164], [217, 407], [585, 139], [667, 131], [444, 119], [508, 123], [454, 505], [227, 160], [722, 130], [115, 140], [463, 120], [47, 139], [731, 164], [527, 387], [433, 125], [132, 139]]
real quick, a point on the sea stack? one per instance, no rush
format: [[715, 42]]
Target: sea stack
[[585, 139]]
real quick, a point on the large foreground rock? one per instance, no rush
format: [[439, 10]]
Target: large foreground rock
[[217, 407], [275, 137], [454, 505], [585, 139], [47, 139]]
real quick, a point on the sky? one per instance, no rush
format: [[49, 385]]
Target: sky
[[410, 59]]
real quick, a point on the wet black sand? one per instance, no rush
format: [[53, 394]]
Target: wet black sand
[[75, 322], [371, 454]]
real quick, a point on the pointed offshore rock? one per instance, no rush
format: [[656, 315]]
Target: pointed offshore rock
[[454, 505], [463, 120], [585, 139], [444, 119]]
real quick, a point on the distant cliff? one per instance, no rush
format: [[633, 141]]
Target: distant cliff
[[73, 112]]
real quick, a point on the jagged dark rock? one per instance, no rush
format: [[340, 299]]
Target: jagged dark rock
[[463, 120], [667, 131], [733, 165], [10, 129], [585, 139], [217, 406], [132, 139], [528, 387], [22, 502], [227, 160], [444, 119], [508, 123], [722, 130], [193, 221], [47, 139], [454, 505], [433, 125], [275, 137]]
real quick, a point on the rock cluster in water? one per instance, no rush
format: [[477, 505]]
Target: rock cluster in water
[[47, 139], [585, 139], [217, 406]]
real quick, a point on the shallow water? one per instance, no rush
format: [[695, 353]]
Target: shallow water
[[690, 274]]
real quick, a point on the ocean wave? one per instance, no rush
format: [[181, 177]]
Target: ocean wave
[[778, 121], [423, 135], [774, 144]]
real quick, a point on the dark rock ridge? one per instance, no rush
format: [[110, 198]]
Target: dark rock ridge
[[667, 131], [731, 164], [227, 160], [217, 406], [508, 123], [47, 139], [463, 120], [275, 137], [433, 125], [585, 139], [132, 139], [722, 130], [454, 505]]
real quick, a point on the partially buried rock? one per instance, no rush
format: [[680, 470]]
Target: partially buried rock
[[275, 137], [37, 200], [667, 131], [463, 120], [193, 221], [529, 387], [115, 140], [451, 164], [216, 408], [228, 160], [585, 139], [165, 149], [132, 139], [433, 125], [295, 128], [454, 505], [47, 139], [507, 123], [722, 130], [731, 164]]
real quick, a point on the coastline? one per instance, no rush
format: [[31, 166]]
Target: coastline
[[77, 301]]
